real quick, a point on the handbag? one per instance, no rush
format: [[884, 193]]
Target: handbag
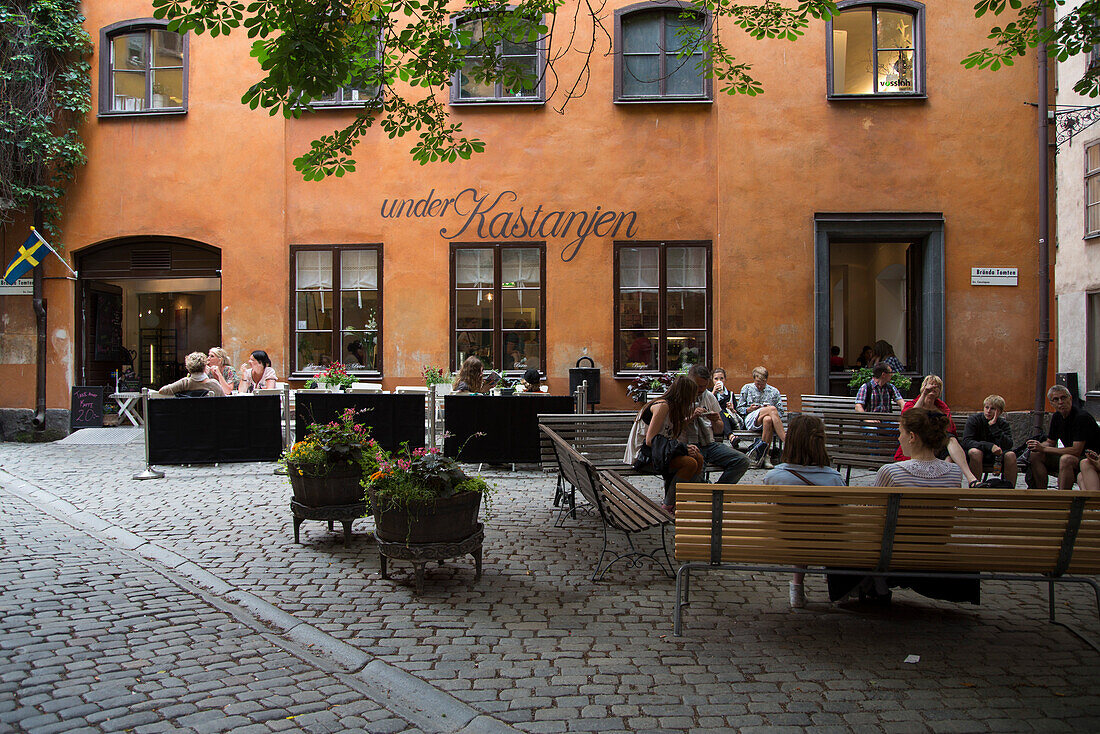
[[662, 451]]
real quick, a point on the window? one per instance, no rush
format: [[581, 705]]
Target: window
[[522, 63], [662, 305], [658, 54], [497, 305], [1092, 189], [143, 69], [1092, 346], [876, 49], [336, 319], [356, 95]]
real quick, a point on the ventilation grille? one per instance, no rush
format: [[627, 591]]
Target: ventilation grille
[[151, 259]]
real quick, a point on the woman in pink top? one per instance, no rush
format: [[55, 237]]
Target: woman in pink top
[[257, 372]]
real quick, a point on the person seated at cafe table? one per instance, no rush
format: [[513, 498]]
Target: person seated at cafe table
[[532, 383], [257, 372], [218, 366], [196, 381], [470, 377]]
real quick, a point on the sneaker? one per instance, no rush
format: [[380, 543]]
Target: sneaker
[[768, 462], [798, 596], [757, 453]]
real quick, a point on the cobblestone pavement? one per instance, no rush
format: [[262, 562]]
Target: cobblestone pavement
[[538, 645], [92, 639]]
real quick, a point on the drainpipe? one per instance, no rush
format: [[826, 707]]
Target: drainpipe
[[1044, 236], [39, 303]]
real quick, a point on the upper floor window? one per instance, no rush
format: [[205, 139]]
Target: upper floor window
[[662, 305], [497, 305], [876, 49], [143, 68], [520, 62], [336, 315], [659, 54], [1092, 189]]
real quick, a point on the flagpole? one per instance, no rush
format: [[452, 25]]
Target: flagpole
[[50, 248]]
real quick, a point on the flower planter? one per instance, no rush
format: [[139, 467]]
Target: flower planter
[[339, 487], [335, 497], [444, 521]]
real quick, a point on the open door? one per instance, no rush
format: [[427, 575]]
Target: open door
[[101, 347]]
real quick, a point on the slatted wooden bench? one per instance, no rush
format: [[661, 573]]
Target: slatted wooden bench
[[818, 404], [919, 532], [864, 440], [620, 506]]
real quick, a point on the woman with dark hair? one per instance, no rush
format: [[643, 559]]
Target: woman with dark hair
[[670, 415], [922, 434], [469, 377], [866, 356], [805, 461], [257, 372], [883, 351]]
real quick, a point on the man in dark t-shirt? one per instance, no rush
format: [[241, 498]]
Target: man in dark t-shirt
[[1078, 432]]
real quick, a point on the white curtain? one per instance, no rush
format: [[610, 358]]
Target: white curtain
[[687, 267], [359, 270], [638, 267], [520, 266], [314, 272], [474, 268]]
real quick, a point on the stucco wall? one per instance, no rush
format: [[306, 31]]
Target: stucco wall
[[746, 173]]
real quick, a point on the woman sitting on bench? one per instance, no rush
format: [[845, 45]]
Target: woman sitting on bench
[[805, 461], [923, 435], [672, 414]]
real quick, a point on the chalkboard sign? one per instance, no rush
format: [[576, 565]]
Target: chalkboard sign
[[87, 408]]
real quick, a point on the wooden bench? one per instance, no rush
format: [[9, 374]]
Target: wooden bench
[[919, 532], [864, 440], [818, 404], [620, 506]]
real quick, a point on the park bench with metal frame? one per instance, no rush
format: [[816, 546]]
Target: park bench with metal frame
[[619, 504], [899, 532]]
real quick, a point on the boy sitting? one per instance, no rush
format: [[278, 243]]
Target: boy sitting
[[987, 438]]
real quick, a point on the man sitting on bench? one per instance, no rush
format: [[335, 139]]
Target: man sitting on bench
[[987, 438], [1076, 429]]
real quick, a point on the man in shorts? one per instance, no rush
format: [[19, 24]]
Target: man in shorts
[[1075, 429]]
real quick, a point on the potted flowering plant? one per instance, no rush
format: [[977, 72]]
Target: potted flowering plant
[[326, 467], [435, 376], [335, 378], [421, 496], [641, 386]]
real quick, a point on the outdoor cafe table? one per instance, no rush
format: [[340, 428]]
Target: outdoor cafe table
[[510, 424], [127, 407], [393, 419]]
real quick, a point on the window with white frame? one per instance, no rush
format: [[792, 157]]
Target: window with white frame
[[337, 319], [662, 305], [1092, 189], [876, 49]]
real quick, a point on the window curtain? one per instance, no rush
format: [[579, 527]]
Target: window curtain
[[314, 271], [359, 270], [474, 268], [687, 267], [520, 266], [638, 268]]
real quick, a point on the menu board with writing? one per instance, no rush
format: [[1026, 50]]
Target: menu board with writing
[[87, 408]]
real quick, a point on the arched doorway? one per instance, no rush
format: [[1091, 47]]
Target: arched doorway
[[144, 303]]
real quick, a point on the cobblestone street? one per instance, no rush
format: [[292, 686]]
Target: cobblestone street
[[138, 605]]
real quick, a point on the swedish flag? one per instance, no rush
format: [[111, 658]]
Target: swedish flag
[[29, 256]]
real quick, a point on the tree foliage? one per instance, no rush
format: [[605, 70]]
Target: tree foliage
[[44, 93], [1074, 33], [409, 50]]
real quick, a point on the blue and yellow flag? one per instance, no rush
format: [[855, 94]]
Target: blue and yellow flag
[[29, 256]]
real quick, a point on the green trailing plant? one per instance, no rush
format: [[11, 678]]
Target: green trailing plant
[[410, 50], [863, 374], [44, 94], [411, 479]]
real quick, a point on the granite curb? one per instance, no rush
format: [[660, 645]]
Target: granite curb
[[398, 691]]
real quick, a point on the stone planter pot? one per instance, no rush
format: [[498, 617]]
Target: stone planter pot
[[444, 521]]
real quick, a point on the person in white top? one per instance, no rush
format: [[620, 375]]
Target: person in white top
[[257, 372]]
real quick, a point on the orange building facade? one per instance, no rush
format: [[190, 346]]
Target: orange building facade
[[652, 223]]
